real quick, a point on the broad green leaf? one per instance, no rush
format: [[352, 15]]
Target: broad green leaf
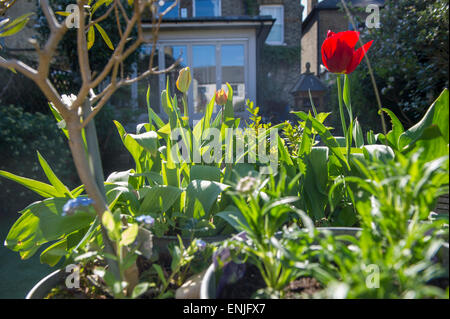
[[52, 255], [43, 189], [378, 152], [437, 114], [327, 138], [204, 191], [159, 199], [129, 235], [42, 222], [148, 140], [204, 172]]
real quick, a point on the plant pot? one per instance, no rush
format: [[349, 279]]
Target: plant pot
[[43, 287], [208, 285]]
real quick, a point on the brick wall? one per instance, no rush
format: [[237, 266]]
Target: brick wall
[[233, 8], [309, 48]]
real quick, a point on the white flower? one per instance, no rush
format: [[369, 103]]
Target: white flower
[[68, 100]]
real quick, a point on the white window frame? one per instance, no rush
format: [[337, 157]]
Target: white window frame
[[220, 8], [218, 45], [282, 22]]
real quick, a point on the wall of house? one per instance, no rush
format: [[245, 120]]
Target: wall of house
[[309, 48], [20, 40], [233, 8]]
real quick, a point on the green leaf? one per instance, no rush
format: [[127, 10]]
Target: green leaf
[[53, 179], [234, 217], [397, 129], [378, 152], [104, 36], [346, 96], [206, 192], [90, 37], [129, 235], [43, 189], [42, 222], [437, 114], [160, 273], [159, 199], [15, 26], [204, 172], [52, 255], [148, 140], [358, 134], [108, 221], [140, 289]]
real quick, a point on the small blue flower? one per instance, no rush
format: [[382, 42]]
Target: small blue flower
[[200, 244], [77, 203], [146, 219]]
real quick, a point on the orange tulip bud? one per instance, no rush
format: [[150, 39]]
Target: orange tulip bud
[[221, 97], [184, 80]]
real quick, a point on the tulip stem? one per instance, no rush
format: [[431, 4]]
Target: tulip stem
[[185, 107], [341, 108]]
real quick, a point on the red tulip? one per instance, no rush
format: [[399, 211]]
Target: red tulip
[[338, 51]]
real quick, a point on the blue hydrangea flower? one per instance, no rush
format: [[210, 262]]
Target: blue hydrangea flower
[[77, 203], [200, 244], [146, 219]]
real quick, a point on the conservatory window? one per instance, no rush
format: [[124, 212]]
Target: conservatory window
[[276, 35], [206, 8]]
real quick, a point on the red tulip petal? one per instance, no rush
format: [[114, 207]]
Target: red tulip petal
[[340, 58], [349, 37], [357, 57]]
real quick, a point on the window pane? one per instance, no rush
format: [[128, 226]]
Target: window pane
[[171, 54], [207, 8], [172, 13], [276, 33], [204, 75], [233, 72], [152, 80]]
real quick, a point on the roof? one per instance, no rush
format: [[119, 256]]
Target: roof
[[251, 20], [336, 4], [333, 4], [308, 82], [263, 23]]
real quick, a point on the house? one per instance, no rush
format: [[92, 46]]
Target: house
[[225, 41], [242, 42], [321, 17]]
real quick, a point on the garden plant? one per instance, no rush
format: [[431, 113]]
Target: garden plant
[[265, 205]]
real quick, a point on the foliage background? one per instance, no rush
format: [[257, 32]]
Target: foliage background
[[409, 56]]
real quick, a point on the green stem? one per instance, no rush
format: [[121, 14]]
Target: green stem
[[341, 107], [185, 107]]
